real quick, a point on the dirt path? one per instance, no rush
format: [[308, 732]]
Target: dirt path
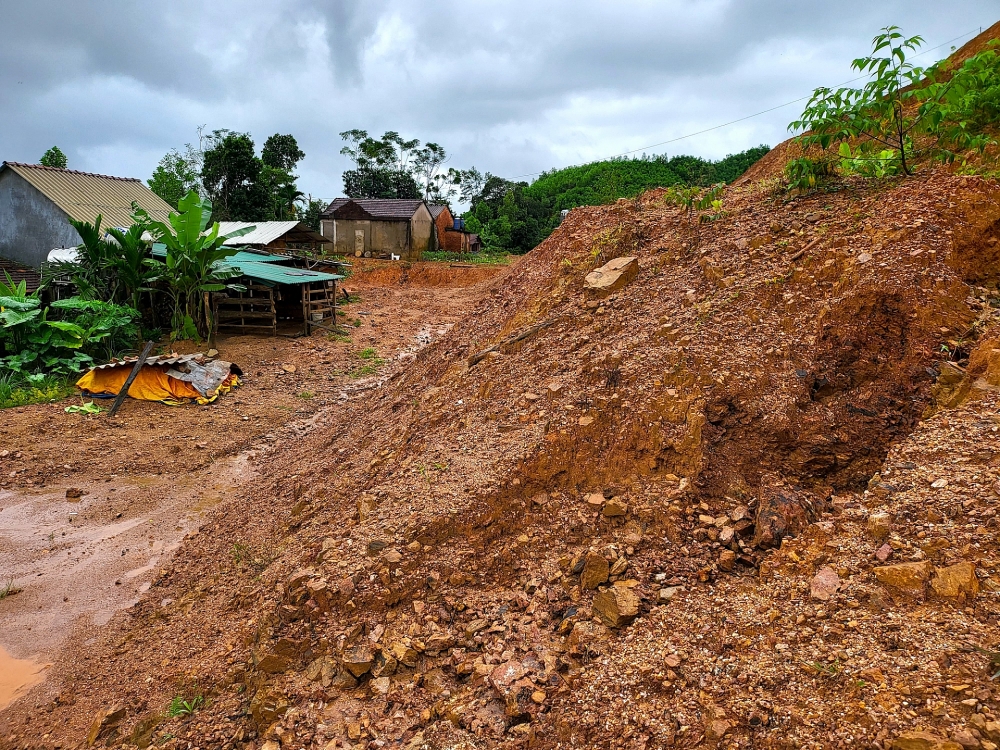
[[92, 508]]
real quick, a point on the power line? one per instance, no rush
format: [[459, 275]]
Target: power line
[[749, 117]]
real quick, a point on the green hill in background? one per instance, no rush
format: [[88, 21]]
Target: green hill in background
[[515, 216]]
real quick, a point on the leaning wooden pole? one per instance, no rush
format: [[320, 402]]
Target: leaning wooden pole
[[131, 376]]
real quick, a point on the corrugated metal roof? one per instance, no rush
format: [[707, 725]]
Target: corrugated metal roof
[[163, 359], [281, 274], [240, 256], [267, 232], [83, 195], [379, 208]]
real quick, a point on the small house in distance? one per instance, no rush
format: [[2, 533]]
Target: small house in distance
[[37, 202], [452, 235], [379, 228], [280, 237]]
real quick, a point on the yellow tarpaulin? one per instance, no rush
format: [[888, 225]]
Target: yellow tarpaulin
[[152, 383]]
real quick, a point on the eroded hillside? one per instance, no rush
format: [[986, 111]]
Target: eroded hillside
[[573, 540]]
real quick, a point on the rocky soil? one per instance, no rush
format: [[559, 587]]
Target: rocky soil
[[739, 492]]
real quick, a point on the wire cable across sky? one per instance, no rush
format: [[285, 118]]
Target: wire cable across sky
[[977, 30]]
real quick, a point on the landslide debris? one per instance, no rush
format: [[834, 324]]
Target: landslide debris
[[746, 498]]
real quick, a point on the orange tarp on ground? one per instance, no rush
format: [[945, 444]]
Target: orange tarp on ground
[[151, 384]]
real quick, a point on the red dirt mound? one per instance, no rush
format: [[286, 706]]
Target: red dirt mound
[[429, 274]]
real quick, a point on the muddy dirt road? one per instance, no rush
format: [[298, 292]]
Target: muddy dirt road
[[91, 508]]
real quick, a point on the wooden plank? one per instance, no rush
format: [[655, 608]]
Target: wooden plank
[[131, 376]]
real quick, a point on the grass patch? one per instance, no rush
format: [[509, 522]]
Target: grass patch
[[372, 361], [481, 258], [9, 589], [340, 338], [17, 391]]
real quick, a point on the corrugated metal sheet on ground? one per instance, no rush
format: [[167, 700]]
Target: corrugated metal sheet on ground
[[163, 359], [83, 195]]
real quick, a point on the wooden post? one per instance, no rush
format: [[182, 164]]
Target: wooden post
[[131, 376]]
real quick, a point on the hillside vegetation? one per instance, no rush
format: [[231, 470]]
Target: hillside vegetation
[[514, 217]]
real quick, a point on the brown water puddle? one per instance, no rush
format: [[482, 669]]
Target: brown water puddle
[[78, 561], [16, 676]]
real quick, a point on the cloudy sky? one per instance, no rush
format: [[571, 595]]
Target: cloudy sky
[[513, 87]]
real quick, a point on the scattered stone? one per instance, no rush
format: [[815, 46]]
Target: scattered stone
[[939, 483], [288, 368], [883, 553], [594, 499], [612, 276], [381, 685], [585, 421], [956, 582], [621, 564], [358, 660], [668, 593], [781, 512], [907, 577], [864, 257], [966, 739], [595, 571], [273, 664], [716, 730], [74, 493], [615, 507], [923, 741], [879, 526], [616, 606], [727, 560], [824, 584]]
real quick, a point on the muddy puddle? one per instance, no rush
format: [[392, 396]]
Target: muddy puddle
[[77, 555]]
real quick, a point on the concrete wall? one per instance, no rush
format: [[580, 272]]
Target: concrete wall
[[423, 233], [30, 224]]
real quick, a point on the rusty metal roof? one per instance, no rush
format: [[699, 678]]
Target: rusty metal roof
[[18, 272], [378, 208], [83, 195]]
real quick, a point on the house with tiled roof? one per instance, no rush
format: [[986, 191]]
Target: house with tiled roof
[[379, 228], [37, 202]]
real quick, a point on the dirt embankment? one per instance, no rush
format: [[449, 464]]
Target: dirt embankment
[[483, 554]]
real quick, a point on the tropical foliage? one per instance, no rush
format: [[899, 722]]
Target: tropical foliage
[[904, 114], [62, 338], [193, 269]]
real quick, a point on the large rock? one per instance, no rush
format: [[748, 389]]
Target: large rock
[[781, 512], [617, 606], [595, 571], [358, 660], [956, 582], [613, 275], [910, 578], [105, 724]]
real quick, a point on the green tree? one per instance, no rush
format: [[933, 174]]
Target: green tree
[[383, 167], [232, 177], [175, 176], [282, 152], [309, 214], [54, 157], [193, 267], [904, 113]]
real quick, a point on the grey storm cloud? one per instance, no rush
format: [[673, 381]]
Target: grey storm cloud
[[512, 87]]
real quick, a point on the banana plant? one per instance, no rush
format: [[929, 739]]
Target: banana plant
[[194, 263]]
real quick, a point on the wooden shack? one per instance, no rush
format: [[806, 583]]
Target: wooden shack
[[377, 228]]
